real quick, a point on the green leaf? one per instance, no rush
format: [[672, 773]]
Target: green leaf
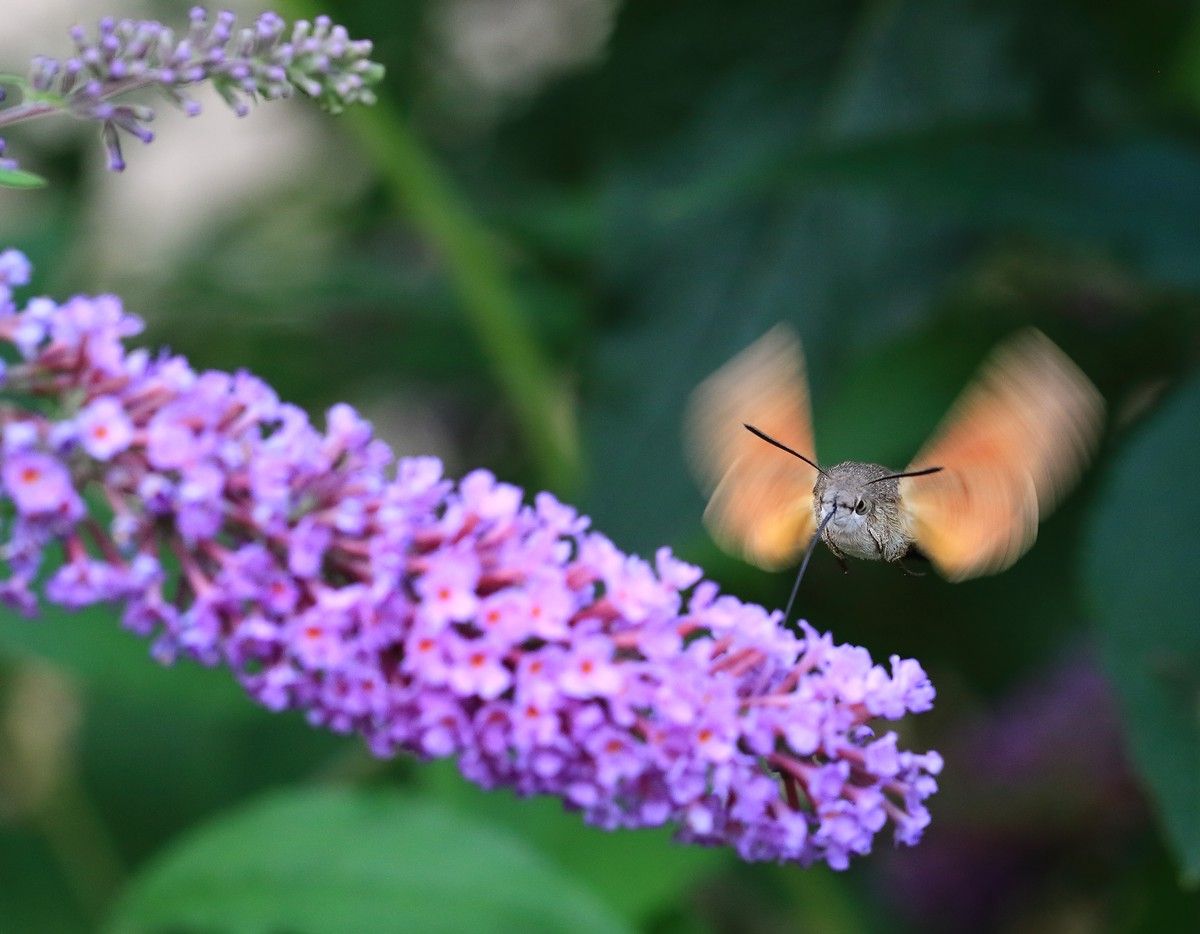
[[639, 873], [19, 178], [334, 860], [1144, 591]]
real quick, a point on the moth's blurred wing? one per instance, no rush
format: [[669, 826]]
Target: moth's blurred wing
[[1012, 444], [761, 505]]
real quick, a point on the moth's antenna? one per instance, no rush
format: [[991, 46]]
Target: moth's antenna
[[804, 564], [783, 447], [911, 473]]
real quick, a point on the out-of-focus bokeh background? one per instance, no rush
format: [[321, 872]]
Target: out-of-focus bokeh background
[[565, 213]]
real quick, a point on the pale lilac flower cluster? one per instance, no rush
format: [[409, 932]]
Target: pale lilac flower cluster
[[439, 618], [265, 60]]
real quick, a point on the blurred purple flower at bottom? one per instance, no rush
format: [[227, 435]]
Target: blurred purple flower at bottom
[[1043, 779], [439, 618]]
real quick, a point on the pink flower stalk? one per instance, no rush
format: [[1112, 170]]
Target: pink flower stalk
[[264, 61], [433, 617]]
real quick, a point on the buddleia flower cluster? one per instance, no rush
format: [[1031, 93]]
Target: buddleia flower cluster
[[434, 617], [265, 60]]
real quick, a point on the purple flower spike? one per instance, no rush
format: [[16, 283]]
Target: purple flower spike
[[258, 62], [433, 617]]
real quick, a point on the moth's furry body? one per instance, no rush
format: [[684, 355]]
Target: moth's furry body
[[869, 520]]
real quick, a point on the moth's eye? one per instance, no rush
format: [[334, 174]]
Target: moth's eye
[[861, 507]]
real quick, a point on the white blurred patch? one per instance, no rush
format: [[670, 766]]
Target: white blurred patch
[[39, 725], [490, 50], [201, 172], [39, 27], [411, 422]]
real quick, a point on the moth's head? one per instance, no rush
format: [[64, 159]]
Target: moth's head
[[854, 493]]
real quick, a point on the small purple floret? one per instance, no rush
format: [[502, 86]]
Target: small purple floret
[[39, 486]]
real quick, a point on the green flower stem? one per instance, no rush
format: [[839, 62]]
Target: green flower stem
[[38, 749], [26, 111], [83, 846], [33, 103], [537, 394]]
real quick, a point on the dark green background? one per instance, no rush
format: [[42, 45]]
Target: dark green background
[[905, 183]]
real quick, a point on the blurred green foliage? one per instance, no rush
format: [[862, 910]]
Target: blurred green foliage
[[1148, 631], [532, 278], [357, 862]]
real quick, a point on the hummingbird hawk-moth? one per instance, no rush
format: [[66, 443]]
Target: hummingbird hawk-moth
[[1011, 446]]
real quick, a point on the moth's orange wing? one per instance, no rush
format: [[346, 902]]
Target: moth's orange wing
[[1012, 444], [761, 504]]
